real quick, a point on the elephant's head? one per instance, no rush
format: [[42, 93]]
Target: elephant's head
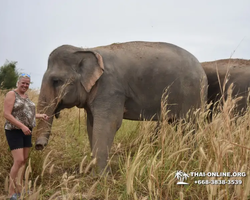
[[70, 76]]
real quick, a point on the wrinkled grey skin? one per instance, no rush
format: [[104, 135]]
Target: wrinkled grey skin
[[236, 71], [119, 81]]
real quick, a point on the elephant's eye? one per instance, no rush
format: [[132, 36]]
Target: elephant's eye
[[56, 82]]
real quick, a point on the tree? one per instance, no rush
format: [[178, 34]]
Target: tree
[[8, 75]]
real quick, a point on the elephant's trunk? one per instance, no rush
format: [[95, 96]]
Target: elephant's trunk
[[43, 132], [44, 127]]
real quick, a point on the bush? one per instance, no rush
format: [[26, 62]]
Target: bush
[[8, 75]]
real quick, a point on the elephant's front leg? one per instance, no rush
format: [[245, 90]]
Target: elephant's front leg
[[106, 123], [90, 128]]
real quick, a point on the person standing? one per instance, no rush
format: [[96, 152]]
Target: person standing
[[20, 115]]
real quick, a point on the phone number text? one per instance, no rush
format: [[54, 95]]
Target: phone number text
[[218, 182]]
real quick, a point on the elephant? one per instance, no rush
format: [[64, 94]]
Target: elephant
[[221, 74], [119, 81]]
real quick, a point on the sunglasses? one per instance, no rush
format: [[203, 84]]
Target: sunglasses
[[24, 75]]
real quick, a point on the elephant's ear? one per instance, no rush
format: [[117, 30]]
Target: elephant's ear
[[90, 67]]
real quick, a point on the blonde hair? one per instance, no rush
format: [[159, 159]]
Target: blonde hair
[[23, 75]]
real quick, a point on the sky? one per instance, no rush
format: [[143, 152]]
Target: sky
[[209, 29]]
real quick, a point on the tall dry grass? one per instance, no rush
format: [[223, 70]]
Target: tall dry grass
[[143, 166]]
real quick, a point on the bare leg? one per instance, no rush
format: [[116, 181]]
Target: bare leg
[[18, 156], [26, 151]]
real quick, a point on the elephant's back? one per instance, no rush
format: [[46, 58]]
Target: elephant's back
[[229, 71], [225, 65], [149, 68], [235, 70], [140, 54], [140, 48]]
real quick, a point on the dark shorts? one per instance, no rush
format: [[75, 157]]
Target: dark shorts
[[17, 139]]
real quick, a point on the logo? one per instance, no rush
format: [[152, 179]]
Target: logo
[[181, 176]]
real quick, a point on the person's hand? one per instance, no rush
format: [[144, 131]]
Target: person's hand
[[26, 130], [44, 116]]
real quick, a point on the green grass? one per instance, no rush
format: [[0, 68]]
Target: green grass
[[142, 166]]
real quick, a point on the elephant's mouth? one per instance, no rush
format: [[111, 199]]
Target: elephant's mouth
[[57, 114], [57, 111]]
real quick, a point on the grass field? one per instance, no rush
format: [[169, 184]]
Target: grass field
[[142, 166]]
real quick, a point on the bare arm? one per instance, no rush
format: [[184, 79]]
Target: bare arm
[[42, 116], [8, 107]]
